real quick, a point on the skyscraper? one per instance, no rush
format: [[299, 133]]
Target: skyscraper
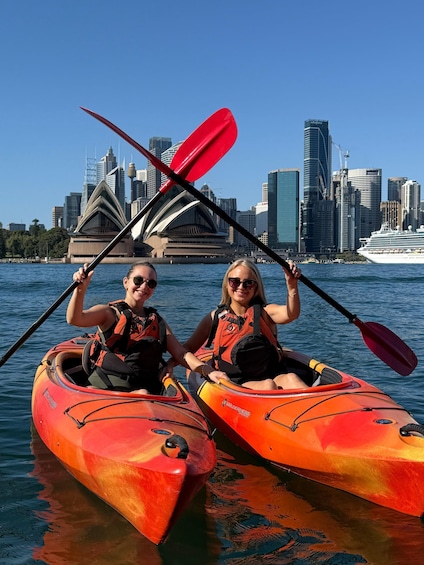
[[394, 185], [247, 219], [229, 205], [107, 169], [318, 213], [410, 202], [283, 209], [105, 165], [368, 182], [72, 210], [57, 216], [115, 179], [157, 145]]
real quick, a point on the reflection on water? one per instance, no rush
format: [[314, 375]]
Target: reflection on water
[[248, 513], [283, 518]]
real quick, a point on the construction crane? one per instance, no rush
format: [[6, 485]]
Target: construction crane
[[342, 154]]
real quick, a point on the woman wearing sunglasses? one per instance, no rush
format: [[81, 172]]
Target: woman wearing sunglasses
[[126, 353], [243, 329]]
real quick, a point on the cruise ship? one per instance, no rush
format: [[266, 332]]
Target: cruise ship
[[394, 246]]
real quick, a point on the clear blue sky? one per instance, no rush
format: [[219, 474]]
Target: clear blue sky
[[161, 68]]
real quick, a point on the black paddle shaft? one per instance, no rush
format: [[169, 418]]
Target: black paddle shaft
[[205, 200]]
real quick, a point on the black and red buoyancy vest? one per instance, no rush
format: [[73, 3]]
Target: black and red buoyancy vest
[[244, 346], [131, 349]]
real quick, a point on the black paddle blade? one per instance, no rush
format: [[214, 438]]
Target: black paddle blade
[[388, 347]]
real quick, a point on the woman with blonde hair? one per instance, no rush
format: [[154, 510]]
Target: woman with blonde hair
[[243, 329]]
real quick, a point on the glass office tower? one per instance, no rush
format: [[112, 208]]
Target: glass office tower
[[318, 212], [283, 209]]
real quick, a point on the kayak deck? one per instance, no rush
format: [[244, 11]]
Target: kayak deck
[[145, 455], [339, 430]]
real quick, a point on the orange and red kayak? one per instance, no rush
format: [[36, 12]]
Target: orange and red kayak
[[145, 455], [338, 430]]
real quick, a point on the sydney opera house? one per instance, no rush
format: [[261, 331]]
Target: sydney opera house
[[177, 229]]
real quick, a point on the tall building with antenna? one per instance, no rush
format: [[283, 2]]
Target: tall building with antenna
[[318, 208]]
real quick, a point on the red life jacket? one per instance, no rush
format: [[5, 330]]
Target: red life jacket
[[244, 346], [131, 349]]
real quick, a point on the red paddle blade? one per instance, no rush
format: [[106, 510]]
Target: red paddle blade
[[388, 347], [199, 152], [205, 146]]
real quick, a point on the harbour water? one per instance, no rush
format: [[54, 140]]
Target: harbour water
[[249, 512]]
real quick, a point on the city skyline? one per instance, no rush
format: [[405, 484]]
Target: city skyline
[[198, 184], [272, 64]]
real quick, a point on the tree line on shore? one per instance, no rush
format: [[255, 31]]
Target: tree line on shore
[[36, 242]]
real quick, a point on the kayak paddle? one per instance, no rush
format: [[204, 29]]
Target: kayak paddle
[[385, 344], [195, 157]]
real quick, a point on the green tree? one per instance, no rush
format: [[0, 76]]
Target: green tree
[[54, 243], [15, 244], [30, 244], [35, 229]]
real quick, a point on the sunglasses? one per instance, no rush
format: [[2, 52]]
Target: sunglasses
[[138, 281], [235, 282]]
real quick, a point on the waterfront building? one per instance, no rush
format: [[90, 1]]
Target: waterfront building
[[157, 145], [283, 209], [102, 220], [180, 228], [410, 203], [368, 183], [318, 209]]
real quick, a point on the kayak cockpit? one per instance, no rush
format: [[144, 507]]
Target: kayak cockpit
[[315, 374], [67, 370]]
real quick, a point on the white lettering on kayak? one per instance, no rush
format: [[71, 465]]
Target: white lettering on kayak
[[49, 399], [241, 411]]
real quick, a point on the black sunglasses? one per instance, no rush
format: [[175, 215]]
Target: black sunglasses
[[235, 282], [138, 281]]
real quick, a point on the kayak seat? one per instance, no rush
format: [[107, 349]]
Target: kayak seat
[[330, 376]]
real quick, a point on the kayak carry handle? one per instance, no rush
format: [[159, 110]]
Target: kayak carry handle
[[406, 430], [178, 441]]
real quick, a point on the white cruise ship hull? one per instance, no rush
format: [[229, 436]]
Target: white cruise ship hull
[[393, 258], [387, 246]]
